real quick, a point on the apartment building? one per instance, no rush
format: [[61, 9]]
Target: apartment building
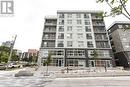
[[72, 36], [119, 34]]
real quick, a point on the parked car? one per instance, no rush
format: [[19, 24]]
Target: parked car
[[13, 65], [2, 67]]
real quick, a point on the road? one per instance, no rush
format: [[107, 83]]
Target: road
[[91, 82]]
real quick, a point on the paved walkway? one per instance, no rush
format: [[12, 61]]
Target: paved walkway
[[91, 82]]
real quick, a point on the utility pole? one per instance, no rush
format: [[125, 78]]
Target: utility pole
[[12, 46]]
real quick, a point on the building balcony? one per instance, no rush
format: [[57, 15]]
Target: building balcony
[[50, 30], [49, 38], [99, 31], [96, 18], [101, 39], [98, 24], [49, 46], [51, 24]]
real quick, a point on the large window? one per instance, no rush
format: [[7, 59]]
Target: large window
[[60, 44], [69, 21], [80, 35], [69, 28], [78, 15], [57, 52], [89, 36], [88, 28], [61, 36], [69, 15], [61, 15], [69, 35], [80, 43], [79, 21], [79, 28], [86, 15], [102, 44], [120, 26], [69, 43], [89, 43], [101, 37], [61, 22], [76, 53], [87, 22], [61, 28], [100, 63], [101, 53]]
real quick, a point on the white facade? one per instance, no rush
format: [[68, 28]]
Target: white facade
[[72, 36]]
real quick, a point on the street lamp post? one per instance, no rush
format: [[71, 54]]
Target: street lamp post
[[10, 55]]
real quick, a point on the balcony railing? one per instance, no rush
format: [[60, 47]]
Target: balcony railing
[[98, 24], [101, 39], [99, 31], [50, 30], [53, 24], [48, 46], [49, 38], [96, 18]]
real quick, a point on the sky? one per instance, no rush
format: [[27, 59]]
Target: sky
[[28, 19]]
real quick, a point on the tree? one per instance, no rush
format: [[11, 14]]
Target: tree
[[4, 54], [94, 54], [14, 57], [117, 7], [30, 59], [48, 61]]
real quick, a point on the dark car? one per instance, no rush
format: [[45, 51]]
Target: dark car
[[2, 67]]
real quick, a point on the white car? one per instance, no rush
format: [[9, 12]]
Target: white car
[[13, 65]]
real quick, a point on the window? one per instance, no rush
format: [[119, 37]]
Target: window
[[60, 44], [101, 37], [69, 35], [88, 28], [90, 44], [61, 22], [102, 45], [69, 21], [87, 22], [78, 15], [86, 15], [69, 28], [120, 26], [61, 36], [89, 36], [45, 44], [61, 15], [76, 53], [69, 43], [61, 28], [80, 35], [80, 43], [79, 22], [79, 28], [69, 15]]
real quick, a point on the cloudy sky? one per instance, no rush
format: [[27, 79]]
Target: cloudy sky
[[28, 19]]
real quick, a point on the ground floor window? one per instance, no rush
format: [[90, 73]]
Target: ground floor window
[[75, 62], [57, 62], [100, 63]]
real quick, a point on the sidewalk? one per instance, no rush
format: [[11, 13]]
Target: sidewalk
[[92, 74]]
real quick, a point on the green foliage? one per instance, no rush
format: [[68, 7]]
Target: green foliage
[[30, 59], [48, 60], [14, 57], [117, 7], [4, 54]]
